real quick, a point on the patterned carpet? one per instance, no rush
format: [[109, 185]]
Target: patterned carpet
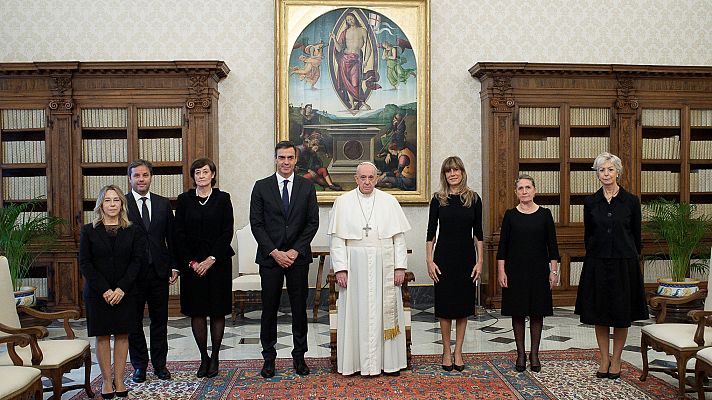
[[566, 374]]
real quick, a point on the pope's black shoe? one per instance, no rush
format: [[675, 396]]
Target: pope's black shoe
[[139, 375], [301, 367]]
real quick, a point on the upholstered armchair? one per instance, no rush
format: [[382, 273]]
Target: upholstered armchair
[[681, 340], [52, 357], [334, 316], [247, 284], [19, 382]]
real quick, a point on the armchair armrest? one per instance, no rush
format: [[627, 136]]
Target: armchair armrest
[[37, 332], [22, 340], [700, 316], [65, 315], [660, 303]]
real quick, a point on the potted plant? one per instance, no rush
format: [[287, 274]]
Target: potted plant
[[682, 229], [24, 235]]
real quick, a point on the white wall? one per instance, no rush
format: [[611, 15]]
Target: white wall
[[463, 32]]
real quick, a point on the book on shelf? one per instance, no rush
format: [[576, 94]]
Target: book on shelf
[[660, 117], [583, 181], [590, 116], [160, 117], [576, 213], [104, 150], [24, 187], [588, 147], [575, 268], [104, 118], [554, 208], [704, 209], [539, 148], [40, 285], [539, 116], [701, 180], [547, 182], [167, 185], [92, 184], [161, 149], [659, 181], [18, 119], [667, 148], [23, 152], [701, 149]]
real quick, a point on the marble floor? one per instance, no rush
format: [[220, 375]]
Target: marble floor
[[488, 333]]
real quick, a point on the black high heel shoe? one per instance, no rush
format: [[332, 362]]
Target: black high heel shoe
[[447, 368], [203, 369], [534, 367], [461, 367], [603, 375], [107, 395], [617, 375], [213, 366], [123, 394], [523, 366]]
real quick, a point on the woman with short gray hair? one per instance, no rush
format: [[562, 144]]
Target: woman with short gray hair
[[610, 291]]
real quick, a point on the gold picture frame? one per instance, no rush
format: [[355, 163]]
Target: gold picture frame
[[353, 84]]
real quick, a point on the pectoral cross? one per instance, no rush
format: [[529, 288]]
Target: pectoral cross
[[366, 229]]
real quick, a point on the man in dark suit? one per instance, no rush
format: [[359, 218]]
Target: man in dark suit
[[154, 215], [284, 216]]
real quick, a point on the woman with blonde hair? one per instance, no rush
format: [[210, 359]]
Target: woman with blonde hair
[[111, 251], [456, 263], [527, 269]]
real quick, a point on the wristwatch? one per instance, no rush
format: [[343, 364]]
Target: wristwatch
[[555, 272]]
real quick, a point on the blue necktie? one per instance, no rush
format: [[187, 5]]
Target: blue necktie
[[285, 197]]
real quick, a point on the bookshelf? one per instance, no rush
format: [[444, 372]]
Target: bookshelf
[[559, 117], [69, 128]]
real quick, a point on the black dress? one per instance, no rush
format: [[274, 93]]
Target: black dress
[[455, 254], [110, 258], [202, 231], [610, 291], [527, 244]]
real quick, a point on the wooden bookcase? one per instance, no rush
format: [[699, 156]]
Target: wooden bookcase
[[551, 120], [68, 128]]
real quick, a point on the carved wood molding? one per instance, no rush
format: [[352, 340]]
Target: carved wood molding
[[626, 100], [502, 98], [199, 93]]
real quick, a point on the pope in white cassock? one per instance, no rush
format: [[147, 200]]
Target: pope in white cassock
[[369, 257]]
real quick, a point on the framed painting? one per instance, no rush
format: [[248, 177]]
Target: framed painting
[[353, 85]]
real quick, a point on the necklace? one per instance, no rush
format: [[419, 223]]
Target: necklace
[[611, 196], [202, 203], [366, 228]]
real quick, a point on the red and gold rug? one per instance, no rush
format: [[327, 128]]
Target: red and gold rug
[[566, 374]]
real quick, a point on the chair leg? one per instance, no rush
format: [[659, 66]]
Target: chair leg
[[699, 380], [681, 369], [234, 307], [56, 379], [644, 355], [87, 374]]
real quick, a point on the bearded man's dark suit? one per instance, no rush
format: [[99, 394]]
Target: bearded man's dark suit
[[152, 281], [274, 230]]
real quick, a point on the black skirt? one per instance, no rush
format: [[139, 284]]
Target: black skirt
[[104, 319], [611, 292]]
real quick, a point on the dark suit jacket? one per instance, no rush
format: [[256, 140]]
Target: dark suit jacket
[[160, 235], [273, 230], [107, 267]]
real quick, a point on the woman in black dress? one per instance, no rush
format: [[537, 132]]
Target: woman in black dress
[[455, 266], [527, 268], [610, 292], [204, 229], [110, 254]]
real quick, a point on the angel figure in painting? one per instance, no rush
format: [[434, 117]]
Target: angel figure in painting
[[311, 71], [396, 74]]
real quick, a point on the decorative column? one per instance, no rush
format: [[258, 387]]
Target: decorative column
[[628, 145], [198, 116], [63, 275]]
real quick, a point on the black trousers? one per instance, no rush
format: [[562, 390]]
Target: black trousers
[[154, 291], [272, 279]]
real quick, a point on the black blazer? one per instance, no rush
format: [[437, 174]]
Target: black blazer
[[160, 235], [107, 267], [612, 230], [273, 230]]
